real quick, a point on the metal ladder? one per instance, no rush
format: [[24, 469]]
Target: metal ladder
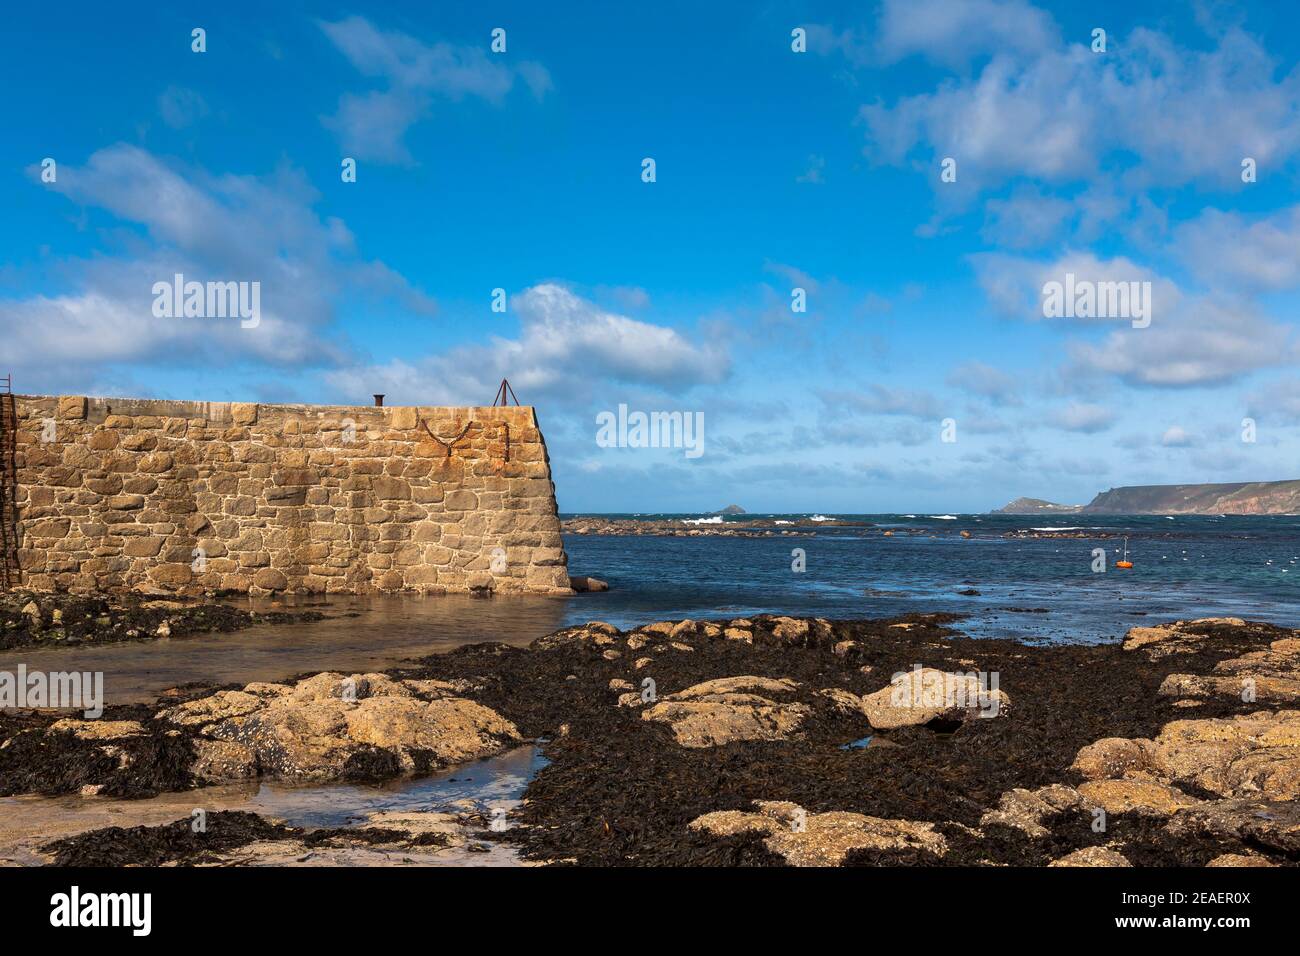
[[9, 572]]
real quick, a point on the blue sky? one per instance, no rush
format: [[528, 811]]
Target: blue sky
[[775, 170]]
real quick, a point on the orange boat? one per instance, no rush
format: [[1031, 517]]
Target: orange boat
[[1124, 562]]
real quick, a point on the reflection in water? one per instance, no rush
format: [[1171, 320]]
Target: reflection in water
[[386, 630], [496, 783]]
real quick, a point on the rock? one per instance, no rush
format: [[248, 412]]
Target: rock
[[312, 729], [738, 634], [790, 629], [726, 710], [594, 632], [1142, 796], [1270, 676], [32, 611], [585, 585], [1249, 755], [1025, 810], [842, 701], [1114, 757], [1180, 637], [217, 760], [210, 710], [822, 839], [1247, 688], [1252, 755], [98, 729], [1240, 860], [919, 696], [683, 630], [1138, 637], [1261, 823], [1092, 856]]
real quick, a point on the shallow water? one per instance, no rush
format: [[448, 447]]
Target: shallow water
[[385, 631], [496, 783], [493, 786]]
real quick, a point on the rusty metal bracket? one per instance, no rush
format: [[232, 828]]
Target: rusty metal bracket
[[447, 445]]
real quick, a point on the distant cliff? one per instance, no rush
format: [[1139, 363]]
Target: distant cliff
[[1232, 498], [1235, 498]]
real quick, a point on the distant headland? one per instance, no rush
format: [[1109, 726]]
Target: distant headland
[[1231, 498]]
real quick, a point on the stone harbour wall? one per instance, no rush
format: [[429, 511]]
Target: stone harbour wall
[[186, 497]]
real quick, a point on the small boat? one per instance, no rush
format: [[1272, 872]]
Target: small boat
[[1124, 562]]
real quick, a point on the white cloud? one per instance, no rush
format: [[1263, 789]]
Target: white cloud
[[1276, 401], [1261, 255], [181, 107], [570, 350], [879, 399], [952, 32], [1169, 114], [1014, 285], [1082, 417], [208, 228], [979, 378], [1200, 342], [948, 32], [373, 125], [815, 174], [1025, 219]]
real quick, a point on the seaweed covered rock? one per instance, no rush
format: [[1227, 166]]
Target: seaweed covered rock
[[128, 754], [1266, 824], [1030, 811], [1269, 675], [729, 709], [333, 725], [1194, 637], [1092, 856], [1249, 755], [53, 619], [1254, 754], [1148, 797], [923, 695], [823, 839]]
